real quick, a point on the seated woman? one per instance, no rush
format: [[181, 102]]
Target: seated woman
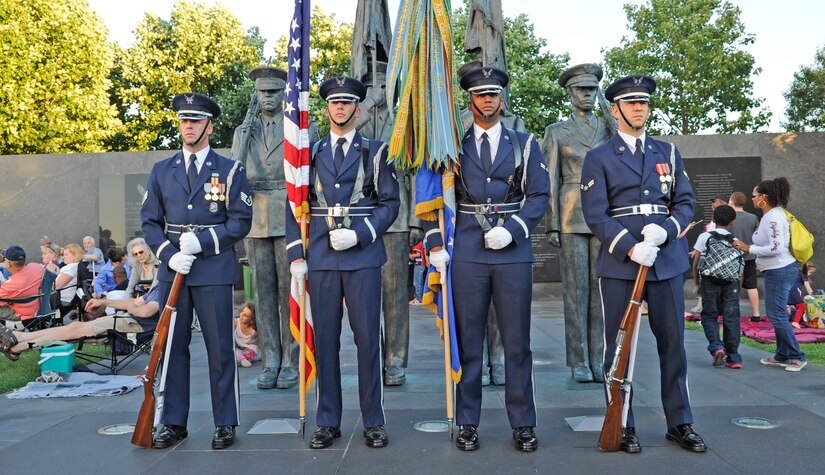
[[144, 266], [143, 316], [67, 275], [49, 255]]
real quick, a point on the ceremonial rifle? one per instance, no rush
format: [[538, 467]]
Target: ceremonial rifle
[[142, 437], [610, 439]]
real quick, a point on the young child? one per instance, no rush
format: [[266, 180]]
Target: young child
[[801, 288], [720, 297], [246, 336]]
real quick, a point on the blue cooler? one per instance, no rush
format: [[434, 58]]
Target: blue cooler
[[57, 358]]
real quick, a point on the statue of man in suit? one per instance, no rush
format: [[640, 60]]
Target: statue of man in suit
[[564, 146], [263, 157]]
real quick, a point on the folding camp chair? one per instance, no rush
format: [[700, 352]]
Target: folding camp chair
[[46, 317], [125, 347]]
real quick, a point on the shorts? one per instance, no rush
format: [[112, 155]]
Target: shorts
[[124, 324], [749, 275]]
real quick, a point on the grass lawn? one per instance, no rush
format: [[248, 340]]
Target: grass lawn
[[15, 374], [815, 352]]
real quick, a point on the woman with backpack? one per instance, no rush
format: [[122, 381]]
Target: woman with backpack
[[771, 246]]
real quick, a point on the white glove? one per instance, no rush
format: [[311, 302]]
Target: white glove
[[181, 263], [299, 272], [439, 260], [497, 238], [644, 253], [189, 244], [342, 239], [654, 234]]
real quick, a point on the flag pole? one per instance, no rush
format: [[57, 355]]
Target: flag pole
[[445, 329], [302, 362]]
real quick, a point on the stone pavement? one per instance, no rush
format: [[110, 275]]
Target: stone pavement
[[61, 435]]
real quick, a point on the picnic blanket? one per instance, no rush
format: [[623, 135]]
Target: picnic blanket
[[77, 385], [762, 331]]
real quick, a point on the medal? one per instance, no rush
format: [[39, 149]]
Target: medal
[[213, 207], [662, 178], [208, 197], [668, 178], [664, 188]]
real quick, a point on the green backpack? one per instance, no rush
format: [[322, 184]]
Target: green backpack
[[802, 241]]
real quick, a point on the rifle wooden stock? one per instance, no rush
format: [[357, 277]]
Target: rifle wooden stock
[[142, 437], [610, 439]]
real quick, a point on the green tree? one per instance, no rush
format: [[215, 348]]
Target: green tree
[[806, 97], [201, 48], [535, 95], [694, 50], [331, 43], [54, 65]]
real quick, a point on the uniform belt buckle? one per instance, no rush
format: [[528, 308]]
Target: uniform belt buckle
[[646, 209], [339, 212], [485, 208]]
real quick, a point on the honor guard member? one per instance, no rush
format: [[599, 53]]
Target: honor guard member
[[637, 198], [502, 191], [354, 200], [197, 206], [263, 159]]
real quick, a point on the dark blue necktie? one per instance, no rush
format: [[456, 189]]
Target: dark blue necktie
[[192, 172], [640, 152], [338, 158], [486, 156]]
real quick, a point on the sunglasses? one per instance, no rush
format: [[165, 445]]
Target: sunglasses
[[138, 253], [756, 195]]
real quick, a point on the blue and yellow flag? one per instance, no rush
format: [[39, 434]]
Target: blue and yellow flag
[[427, 132]]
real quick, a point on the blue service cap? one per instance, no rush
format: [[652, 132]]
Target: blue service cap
[[484, 80], [631, 89], [343, 89], [194, 106]]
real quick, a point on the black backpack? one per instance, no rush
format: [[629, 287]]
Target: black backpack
[[722, 262]]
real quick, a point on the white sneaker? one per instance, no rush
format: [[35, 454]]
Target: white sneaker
[[796, 366]]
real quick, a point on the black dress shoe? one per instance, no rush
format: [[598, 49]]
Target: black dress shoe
[[376, 437], [467, 438], [687, 438], [525, 439], [168, 435], [322, 437], [630, 443], [224, 437]]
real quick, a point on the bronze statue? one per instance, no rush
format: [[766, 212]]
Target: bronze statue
[[371, 39], [259, 146], [564, 146]]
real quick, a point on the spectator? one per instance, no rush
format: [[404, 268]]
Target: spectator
[[719, 298], [771, 246], [92, 254], [67, 276], [246, 336], [105, 280], [801, 287], [743, 229], [4, 271], [144, 265], [143, 310], [419, 271], [715, 202], [49, 255], [24, 281]]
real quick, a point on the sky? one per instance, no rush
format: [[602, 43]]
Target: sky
[[787, 34]]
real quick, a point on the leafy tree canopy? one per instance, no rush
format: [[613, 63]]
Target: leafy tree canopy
[[806, 97], [54, 65], [694, 50], [201, 48]]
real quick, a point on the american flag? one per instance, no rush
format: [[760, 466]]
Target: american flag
[[296, 157]]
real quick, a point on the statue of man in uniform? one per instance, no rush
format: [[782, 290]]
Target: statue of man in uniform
[[262, 153], [564, 146], [376, 123]]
